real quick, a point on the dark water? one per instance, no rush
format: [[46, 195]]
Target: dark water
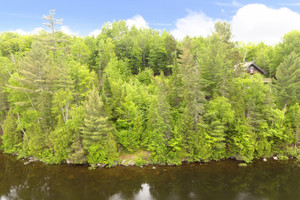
[[217, 180]]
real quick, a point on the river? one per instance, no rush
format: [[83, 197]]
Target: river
[[217, 180]]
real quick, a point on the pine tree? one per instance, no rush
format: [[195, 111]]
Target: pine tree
[[52, 41], [157, 132], [96, 125], [217, 58], [287, 82], [192, 83], [33, 84], [218, 116], [77, 156], [11, 136], [129, 122], [6, 67]]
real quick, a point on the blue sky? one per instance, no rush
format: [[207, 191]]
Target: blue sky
[[180, 17]]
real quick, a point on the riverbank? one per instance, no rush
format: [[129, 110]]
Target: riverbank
[[142, 158]]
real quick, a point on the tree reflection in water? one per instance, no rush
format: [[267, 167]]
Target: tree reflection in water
[[217, 180]]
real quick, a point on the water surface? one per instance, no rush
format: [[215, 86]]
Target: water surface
[[216, 180]]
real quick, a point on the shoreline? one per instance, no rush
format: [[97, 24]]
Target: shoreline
[[132, 163]]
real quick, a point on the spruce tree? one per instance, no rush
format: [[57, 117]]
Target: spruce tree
[[96, 125], [287, 82], [218, 116], [192, 84], [77, 156], [157, 132]]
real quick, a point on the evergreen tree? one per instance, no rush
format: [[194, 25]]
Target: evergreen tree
[[287, 82], [30, 88], [218, 116], [96, 125], [129, 122], [192, 84], [157, 132], [77, 156], [11, 137], [53, 41], [216, 60]]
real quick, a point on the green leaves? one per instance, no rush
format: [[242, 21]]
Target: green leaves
[[287, 82], [129, 90]]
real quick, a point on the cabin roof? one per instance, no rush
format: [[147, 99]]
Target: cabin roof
[[248, 64]]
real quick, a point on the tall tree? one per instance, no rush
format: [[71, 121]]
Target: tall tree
[[287, 82], [96, 125], [53, 41]]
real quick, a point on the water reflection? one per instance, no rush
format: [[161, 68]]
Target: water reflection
[[218, 180], [144, 193]]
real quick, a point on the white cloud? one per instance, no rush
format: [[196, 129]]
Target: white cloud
[[33, 31], [138, 21], [232, 4], [257, 22], [251, 23], [95, 33], [194, 24], [68, 31]]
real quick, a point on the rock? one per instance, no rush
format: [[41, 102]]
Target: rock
[[275, 158], [30, 160], [26, 163], [264, 159], [130, 163], [153, 167], [101, 165]]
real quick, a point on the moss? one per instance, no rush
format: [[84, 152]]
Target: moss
[[243, 165]]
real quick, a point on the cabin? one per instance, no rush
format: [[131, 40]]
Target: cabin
[[251, 68]]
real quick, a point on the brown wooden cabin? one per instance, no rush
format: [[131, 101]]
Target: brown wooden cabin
[[251, 68]]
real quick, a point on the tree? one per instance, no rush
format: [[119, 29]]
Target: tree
[[129, 122], [53, 41], [287, 82], [157, 132], [218, 116], [11, 137], [96, 125], [6, 69], [216, 59], [30, 87]]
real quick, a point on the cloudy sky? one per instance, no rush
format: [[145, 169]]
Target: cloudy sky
[[252, 21]]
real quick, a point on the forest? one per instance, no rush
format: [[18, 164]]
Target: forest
[[140, 93]]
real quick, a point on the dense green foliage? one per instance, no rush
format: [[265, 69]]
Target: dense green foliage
[[87, 99]]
